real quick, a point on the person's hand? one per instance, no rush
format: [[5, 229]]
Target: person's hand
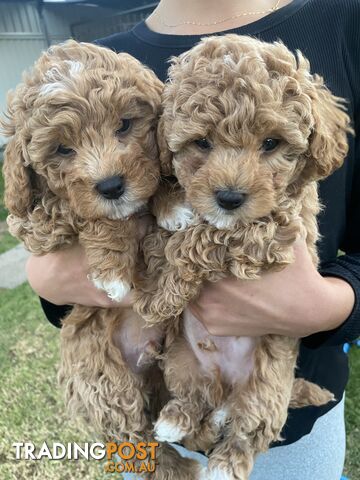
[[62, 277], [296, 302]]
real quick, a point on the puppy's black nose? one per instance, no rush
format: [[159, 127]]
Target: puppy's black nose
[[229, 199], [111, 188]]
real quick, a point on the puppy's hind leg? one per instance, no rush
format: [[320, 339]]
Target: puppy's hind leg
[[209, 433], [98, 385], [232, 459], [189, 390], [172, 466], [258, 410]]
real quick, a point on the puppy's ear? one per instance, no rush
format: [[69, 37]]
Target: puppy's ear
[[164, 151], [17, 175], [328, 144]]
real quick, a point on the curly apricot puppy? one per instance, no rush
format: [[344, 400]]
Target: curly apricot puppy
[[82, 161], [247, 131]]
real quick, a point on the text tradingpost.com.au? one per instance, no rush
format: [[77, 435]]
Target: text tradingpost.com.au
[[119, 457]]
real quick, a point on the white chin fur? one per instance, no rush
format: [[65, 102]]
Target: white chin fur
[[168, 432], [225, 222], [180, 218], [120, 210], [116, 290]]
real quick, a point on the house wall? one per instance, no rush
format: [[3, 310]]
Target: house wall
[[22, 39]]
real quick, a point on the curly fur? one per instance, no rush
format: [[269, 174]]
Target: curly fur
[[77, 95], [236, 92]]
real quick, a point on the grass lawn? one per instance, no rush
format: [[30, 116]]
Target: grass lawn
[[6, 240], [3, 212], [352, 416], [31, 407], [30, 403]]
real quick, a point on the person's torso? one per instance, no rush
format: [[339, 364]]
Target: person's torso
[[322, 31]]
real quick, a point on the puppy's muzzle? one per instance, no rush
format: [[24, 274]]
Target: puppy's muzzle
[[229, 199], [111, 188]]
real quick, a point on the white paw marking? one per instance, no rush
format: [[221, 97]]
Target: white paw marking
[[168, 432], [116, 290], [217, 474], [220, 416], [180, 218]]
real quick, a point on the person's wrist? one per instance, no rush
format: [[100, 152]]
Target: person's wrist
[[39, 270], [343, 301], [334, 300]]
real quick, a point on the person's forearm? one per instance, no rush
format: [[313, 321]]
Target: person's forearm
[[324, 305], [61, 278], [296, 302]]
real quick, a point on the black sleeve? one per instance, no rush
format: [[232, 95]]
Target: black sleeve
[[346, 267], [55, 313]]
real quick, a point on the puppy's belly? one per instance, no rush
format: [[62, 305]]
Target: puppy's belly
[[233, 357], [139, 346]]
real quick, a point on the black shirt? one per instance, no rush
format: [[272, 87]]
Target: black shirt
[[327, 32]]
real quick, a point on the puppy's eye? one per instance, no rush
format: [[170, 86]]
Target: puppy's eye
[[125, 126], [66, 151], [203, 144], [269, 144]]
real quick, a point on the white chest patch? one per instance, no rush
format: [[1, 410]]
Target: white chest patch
[[231, 356], [220, 221]]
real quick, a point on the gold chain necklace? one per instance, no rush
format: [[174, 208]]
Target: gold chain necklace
[[222, 20]]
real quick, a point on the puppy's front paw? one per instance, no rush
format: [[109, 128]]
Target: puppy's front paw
[[166, 431], [115, 289], [180, 218]]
